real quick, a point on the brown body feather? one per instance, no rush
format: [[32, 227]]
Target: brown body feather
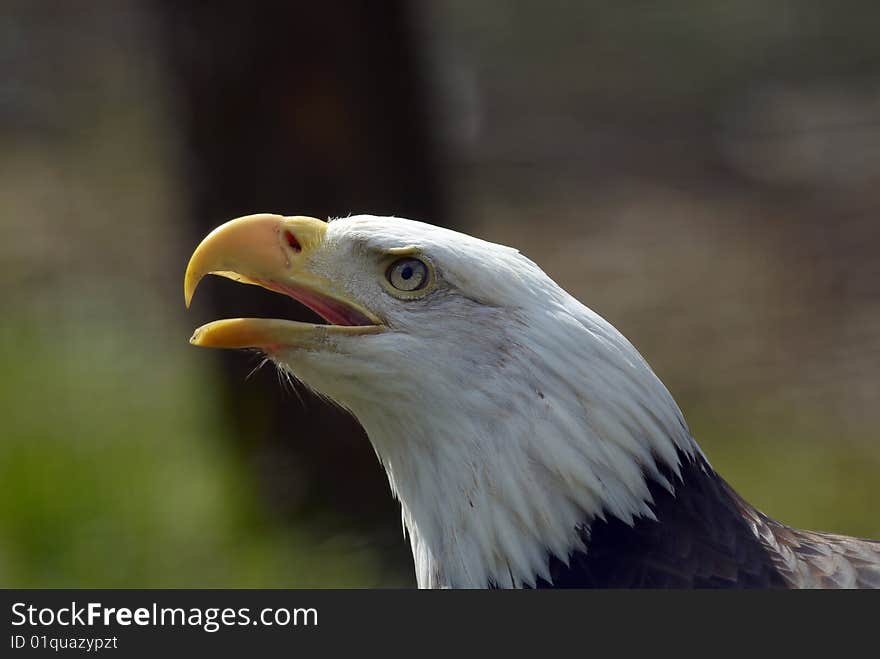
[[707, 536]]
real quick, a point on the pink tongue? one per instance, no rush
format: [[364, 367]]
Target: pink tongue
[[329, 309]]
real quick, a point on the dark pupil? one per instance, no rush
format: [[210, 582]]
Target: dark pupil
[[407, 272]]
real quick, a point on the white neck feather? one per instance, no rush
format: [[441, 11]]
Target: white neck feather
[[505, 469]]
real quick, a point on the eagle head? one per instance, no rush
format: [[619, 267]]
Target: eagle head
[[507, 415]]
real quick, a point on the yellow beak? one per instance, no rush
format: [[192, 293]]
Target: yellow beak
[[273, 252]]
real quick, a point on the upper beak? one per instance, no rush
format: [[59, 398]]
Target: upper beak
[[273, 252]]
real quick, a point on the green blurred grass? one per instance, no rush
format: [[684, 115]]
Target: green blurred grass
[[116, 471]]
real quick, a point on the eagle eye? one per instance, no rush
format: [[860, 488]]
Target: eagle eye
[[408, 274]]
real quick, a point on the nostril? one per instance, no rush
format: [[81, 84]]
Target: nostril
[[293, 242]]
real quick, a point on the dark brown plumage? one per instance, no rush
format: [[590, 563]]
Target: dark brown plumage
[[707, 536]]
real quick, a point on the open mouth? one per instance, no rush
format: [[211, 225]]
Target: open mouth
[[272, 334], [334, 311], [273, 252]]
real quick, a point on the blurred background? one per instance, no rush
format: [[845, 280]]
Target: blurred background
[[704, 174]]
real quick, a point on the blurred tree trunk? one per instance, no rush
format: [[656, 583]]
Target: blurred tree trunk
[[300, 108]]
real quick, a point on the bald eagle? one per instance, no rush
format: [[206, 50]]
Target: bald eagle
[[528, 442]]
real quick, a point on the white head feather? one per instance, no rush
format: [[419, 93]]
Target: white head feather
[[507, 414]]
